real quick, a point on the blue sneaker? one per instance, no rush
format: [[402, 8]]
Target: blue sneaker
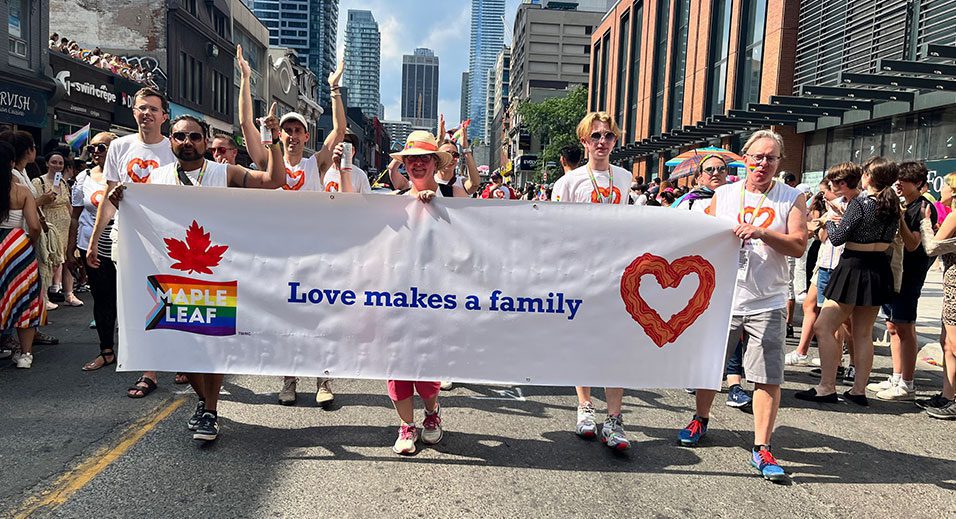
[[690, 436], [764, 462], [737, 397]]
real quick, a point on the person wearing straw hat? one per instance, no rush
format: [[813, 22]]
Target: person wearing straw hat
[[422, 159]]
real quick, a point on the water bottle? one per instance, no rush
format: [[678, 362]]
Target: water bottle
[[266, 133], [346, 164]]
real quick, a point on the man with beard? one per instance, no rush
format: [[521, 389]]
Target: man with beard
[[189, 140]]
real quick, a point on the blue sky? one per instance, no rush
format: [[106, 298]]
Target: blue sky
[[444, 27]]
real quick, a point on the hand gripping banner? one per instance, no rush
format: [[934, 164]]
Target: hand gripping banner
[[377, 286]]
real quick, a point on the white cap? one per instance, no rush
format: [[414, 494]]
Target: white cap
[[294, 116]]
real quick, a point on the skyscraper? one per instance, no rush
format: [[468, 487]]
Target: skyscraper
[[307, 26], [463, 111], [363, 48], [420, 89], [487, 38]]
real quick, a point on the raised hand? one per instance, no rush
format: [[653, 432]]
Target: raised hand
[[243, 64], [442, 134], [336, 76], [271, 121]]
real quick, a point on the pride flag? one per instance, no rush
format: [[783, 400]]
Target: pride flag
[[457, 135], [77, 139]]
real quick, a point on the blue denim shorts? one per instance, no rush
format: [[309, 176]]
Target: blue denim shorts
[[823, 279]]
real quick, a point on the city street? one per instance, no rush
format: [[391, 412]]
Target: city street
[[76, 446]]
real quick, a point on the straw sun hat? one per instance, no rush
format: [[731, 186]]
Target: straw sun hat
[[420, 142]]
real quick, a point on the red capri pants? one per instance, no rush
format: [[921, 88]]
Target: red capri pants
[[401, 389]]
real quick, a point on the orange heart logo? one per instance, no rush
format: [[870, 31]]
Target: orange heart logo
[[668, 275], [294, 180], [139, 169], [332, 187], [605, 194], [498, 193], [97, 197], [767, 212]]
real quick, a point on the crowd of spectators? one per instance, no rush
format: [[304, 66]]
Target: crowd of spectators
[[104, 60]]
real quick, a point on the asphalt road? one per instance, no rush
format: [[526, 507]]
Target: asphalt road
[[75, 446]]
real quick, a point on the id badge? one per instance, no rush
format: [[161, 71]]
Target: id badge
[[743, 262]]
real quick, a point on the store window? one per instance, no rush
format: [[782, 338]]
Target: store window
[[679, 62], [623, 37], [719, 53], [751, 50], [941, 142], [594, 75], [815, 154], [660, 67], [605, 52], [635, 70], [18, 26]]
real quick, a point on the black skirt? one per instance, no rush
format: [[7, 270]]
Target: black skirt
[[861, 279]]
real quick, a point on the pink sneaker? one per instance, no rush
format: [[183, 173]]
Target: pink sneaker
[[407, 436], [432, 432]]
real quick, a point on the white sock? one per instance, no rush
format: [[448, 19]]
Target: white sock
[[896, 378], [908, 384]]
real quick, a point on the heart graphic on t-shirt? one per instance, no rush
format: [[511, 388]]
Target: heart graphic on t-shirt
[[767, 213], [498, 193], [139, 169], [668, 275], [332, 187], [605, 194], [294, 179], [97, 197]]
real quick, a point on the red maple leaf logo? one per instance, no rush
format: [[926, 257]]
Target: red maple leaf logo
[[197, 254]]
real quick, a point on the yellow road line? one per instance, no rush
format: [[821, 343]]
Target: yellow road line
[[69, 483]]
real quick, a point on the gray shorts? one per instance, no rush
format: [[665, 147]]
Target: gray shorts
[[765, 339]]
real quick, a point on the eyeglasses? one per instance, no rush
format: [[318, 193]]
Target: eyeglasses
[[608, 136], [711, 170], [192, 136], [147, 109], [770, 159], [220, 150], [456, 155], [98, 148], [418, 158]]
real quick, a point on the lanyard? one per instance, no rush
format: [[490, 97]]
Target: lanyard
[[610, 187], [184, 178], [743, 196]]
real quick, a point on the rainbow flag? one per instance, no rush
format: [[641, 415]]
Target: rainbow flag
[[192, 305], [457, 135], [77, 139]]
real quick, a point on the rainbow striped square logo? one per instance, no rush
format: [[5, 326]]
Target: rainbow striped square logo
[[192, 305]]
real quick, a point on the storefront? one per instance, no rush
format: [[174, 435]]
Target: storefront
[[89, 97], [23, 107]]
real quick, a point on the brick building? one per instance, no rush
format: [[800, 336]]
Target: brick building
[[662, 66]]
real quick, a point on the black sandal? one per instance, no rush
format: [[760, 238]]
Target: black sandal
[[105, 363], [150, 387]]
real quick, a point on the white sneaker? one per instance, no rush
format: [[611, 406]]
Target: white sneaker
[[795, 359], [882, 386], [24, 360], [407, 436], [447, 385], [586, 427], [898, 392]]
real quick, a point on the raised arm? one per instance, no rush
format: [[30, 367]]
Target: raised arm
[[345, 176], [399, 182], [324, 155], [274, 175], [474, 180], [247, 120]]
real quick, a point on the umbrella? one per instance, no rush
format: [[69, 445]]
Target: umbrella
[[688, 161]]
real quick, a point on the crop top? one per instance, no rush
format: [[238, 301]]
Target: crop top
[[862, 224]]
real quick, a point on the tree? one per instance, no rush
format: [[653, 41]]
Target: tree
[[555, 120]]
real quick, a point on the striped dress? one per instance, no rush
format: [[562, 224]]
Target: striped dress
[[20, 301]]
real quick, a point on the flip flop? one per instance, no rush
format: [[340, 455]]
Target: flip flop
[[182, 378], [75, 301], [103, 365], [150, 387]]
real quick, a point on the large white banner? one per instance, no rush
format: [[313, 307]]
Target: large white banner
[[378, 286]]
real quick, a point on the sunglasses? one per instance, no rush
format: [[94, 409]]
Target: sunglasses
[[418, 158], [220, 150], [456, 155], [715, 169], [608, 136], [192, 136], [97, 148]]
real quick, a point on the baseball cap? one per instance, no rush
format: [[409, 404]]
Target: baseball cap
[[294, 116]]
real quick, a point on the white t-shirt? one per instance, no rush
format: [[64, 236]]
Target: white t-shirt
[[333, 180], [455, 181], [88, 194], [576, 186], [763, 275], [131, 160], [215, 175], [304, 176]]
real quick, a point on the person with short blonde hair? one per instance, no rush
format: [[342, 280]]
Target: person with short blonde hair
[[598, 133]]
